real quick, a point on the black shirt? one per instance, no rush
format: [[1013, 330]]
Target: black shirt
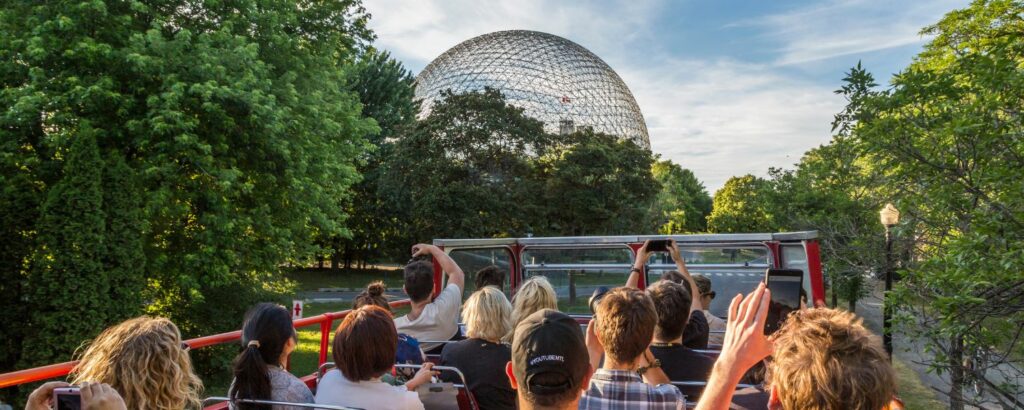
[[682, 364], [483, 364], [695, 334]]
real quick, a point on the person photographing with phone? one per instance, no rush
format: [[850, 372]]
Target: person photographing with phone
[[695, 333]]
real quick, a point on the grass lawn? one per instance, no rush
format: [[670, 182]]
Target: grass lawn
[[915, 395]]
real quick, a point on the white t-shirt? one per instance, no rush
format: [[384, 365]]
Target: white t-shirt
[[335, 389], [438, 321]]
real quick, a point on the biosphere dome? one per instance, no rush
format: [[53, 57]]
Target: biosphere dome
[[553, 79]]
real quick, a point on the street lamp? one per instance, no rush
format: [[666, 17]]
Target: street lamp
[[889, 216]]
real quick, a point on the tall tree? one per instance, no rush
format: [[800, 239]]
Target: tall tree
[[124, 259], [68, 285], [467, 170], [743, 204], [598, 184], [683, 204]]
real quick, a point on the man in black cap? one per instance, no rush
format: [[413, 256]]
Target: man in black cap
[[550, 366]]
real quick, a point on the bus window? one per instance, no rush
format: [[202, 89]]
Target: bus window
[[472, 260], [795, 257], [576, 272], [732, 270]]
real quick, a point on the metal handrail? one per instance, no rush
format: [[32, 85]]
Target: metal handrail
[[217, 399], [440, 368], [52, 371], [696, 383]]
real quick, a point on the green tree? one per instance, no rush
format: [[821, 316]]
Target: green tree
[[743, 204], [467, 170], [235, 117], [124, 259], [598, 184], [946, 136], [683, 204], [385, 89], [68, 285]]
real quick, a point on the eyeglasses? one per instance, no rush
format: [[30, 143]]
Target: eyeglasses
[[711, 293]]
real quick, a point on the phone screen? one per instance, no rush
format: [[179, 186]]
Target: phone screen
[[69, 402], [658, 245], [785, 285]]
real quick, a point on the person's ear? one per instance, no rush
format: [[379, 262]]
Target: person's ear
[[289, 345], [404, 291], [774, 402], [586, 379], [511, 376]]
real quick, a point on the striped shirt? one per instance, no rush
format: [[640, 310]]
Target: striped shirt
[[623, 389]]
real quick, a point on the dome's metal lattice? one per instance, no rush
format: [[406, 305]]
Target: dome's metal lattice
[[553, 79]]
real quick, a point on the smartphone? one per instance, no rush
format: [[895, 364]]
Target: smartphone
[[786, 286], [658, 245], [67, 398]]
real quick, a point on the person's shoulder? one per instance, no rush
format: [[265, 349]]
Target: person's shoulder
[[667, 393]]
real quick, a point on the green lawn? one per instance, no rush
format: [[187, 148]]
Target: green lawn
[[912, 391]]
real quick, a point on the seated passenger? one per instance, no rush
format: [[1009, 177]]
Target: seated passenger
[[364, 350], [143, 359], [481, 358], [672, 302], [409, 351], [533, 295], [94, 396], [490, 276], [822, 359], [696, 333], [428, 320], [716, 326], [621, 331], [549, 367], [268, 337]]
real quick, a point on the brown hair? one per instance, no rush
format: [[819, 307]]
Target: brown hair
[[672, 302], [373, 295], [143, 359], [490, 276], [365, 344], [826, 359], [673, 276], [419, 280], [626, 319]]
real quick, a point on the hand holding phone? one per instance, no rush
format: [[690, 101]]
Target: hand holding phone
[[67, 398], [658, 245], [785, 286]]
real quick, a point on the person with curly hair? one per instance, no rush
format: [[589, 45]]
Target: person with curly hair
[[143, 359]]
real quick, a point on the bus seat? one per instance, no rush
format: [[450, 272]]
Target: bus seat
[[215, 402], [435, 395]]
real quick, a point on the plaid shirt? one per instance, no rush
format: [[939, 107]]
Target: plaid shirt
[[622, 389]]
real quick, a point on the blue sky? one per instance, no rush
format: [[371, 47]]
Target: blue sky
[[726, 87]]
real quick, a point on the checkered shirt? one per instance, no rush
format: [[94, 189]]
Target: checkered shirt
[[622, 389]]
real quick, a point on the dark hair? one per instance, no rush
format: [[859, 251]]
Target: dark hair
[[373, 295], [673, 276], [365, 344], [490, 276], [626, 319], [419, 280], [265, 333], [672, 302]]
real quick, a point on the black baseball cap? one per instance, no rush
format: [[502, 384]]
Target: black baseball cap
[[549, 343]]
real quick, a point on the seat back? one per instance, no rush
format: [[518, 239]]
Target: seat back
[[210, 402], [464, 399]]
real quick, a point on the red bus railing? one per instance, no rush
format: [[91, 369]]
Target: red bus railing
[[326, 322]]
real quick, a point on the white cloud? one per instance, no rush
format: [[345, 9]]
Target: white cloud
[[847, 27]]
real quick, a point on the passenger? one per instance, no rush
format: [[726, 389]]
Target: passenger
[[490, 276], [716, 326], [621, 331], [549, 367], [364, 350], [487, 316], [435, 320], [268, 337], [821, 359], [94, 396], [533, 295], [144, 360], [680, 363], [695, 336], [409, 351]]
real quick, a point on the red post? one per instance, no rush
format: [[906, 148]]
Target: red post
[[814, 266], [325, 337]]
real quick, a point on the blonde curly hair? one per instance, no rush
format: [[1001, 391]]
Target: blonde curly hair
[[533, 295], [143, 359]]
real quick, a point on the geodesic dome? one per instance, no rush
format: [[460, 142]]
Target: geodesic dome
[[553, 79]]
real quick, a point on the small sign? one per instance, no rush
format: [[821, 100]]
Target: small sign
[[296, 309]]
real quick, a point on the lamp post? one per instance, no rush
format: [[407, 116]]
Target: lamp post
[[889, 217]]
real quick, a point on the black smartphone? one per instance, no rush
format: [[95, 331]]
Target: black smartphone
[[658, 245], [786, 286], [67, 398]]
